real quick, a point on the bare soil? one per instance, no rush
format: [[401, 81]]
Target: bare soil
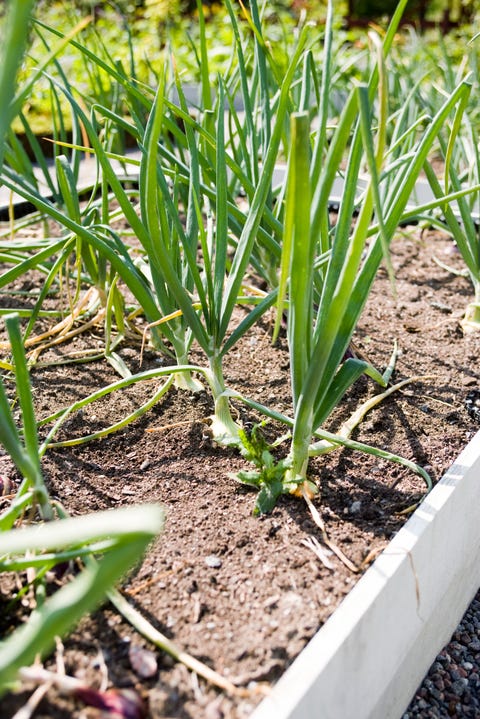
[[241, 593]]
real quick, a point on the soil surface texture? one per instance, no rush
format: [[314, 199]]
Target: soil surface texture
[[244, 594]]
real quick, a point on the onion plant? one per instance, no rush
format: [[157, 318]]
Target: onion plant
[[459, 149], [120, 536], [327, 272], [181, 301], [457, 145], [77, 263], [124, 534], [462, 170]]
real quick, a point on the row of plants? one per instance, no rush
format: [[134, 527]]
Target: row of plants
[[168, 259], [37, 536]]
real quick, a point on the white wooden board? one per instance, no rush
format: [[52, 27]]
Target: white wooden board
[[369, 658]]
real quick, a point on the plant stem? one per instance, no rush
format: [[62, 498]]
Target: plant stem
[[299, 454], [224, 428], [471, 320], [185, 380]]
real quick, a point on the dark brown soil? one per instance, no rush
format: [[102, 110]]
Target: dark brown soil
[[252, 613]]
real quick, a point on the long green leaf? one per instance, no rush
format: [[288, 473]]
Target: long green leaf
[[302, 255], [247, 238], [133, 529], [14, 44]]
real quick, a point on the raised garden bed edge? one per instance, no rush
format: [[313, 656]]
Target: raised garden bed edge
[[371, 655]]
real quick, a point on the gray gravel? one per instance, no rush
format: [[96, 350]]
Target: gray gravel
[[452, 685]]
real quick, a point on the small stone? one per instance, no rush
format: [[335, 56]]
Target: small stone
[[128, 492], [143, 661], [355, 507], [213, 561], [437, 694], [439, 684], [459, 686]]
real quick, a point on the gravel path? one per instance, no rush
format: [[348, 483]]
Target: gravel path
[[452, 685]]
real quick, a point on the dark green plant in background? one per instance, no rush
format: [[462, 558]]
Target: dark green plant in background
[[376, 8]]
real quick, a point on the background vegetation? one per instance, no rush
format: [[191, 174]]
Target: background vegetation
[[139, 34]]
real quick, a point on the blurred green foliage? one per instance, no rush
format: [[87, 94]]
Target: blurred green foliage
[[435, 10], [139, 34]]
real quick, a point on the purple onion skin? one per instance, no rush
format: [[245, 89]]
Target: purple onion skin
[[124, 704]]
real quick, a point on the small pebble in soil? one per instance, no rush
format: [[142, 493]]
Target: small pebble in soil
[[213, 561], [143, 661]]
